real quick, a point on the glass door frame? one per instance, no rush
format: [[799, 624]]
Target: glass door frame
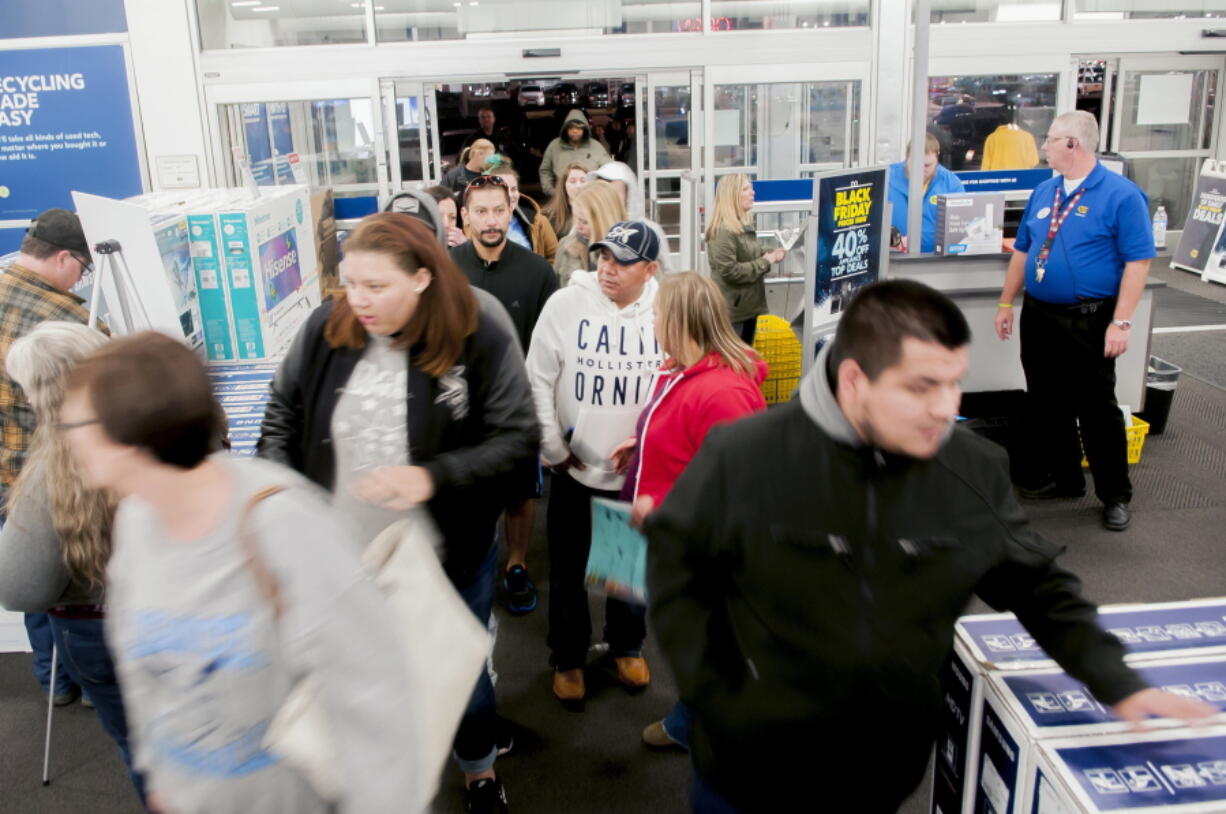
[[218, 97], [647, 149], [719, 75], [1171, 63]]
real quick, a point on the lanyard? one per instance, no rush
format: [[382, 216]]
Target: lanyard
[[1057, 220]]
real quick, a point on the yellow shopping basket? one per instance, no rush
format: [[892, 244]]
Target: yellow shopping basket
[[776, 343], [1136, 441]]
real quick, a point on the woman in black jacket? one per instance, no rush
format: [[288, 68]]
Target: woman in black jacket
[[403, 395]]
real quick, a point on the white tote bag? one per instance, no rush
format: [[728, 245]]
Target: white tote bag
[[444, 649]]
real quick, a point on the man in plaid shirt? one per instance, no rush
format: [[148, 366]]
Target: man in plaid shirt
[[35, 288]]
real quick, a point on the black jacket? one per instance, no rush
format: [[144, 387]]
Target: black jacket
[[468, 438], [805, 590], [520, 279]]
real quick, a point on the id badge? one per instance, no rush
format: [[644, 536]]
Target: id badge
[[1039, 271]]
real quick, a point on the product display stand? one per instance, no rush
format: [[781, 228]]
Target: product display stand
[[111, 260]]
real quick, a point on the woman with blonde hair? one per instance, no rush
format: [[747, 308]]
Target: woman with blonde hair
[[470, 165], [56, 544], [711, 377], [737, 258], [597, 206], [559, 209]]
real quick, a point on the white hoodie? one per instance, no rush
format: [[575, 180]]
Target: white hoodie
[[591, 366]]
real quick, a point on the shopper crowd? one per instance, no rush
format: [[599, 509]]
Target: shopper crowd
[[229, 619]]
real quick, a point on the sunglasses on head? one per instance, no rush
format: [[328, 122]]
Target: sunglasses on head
[[485, 181]]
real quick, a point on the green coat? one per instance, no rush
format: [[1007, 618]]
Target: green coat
[[737, 267]]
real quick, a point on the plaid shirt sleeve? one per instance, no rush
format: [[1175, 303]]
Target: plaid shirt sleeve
[[25, 300]]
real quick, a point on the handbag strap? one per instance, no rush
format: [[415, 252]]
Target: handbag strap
[[254, 560]]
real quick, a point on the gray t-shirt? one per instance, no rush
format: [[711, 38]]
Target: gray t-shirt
[[205, 666], [370, 429]]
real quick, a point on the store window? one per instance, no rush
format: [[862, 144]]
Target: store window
[[228, 24], [322, 143], [425, 20], [756, 15], [996, 11], [1147, 9], [672, 127], [830, 134], [995, 122]]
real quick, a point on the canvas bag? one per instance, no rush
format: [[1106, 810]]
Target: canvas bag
[[443, 645]]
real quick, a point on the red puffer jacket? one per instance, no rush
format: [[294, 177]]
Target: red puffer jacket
[[685, 405]]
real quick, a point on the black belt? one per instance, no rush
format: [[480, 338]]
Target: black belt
[[1069, 308]]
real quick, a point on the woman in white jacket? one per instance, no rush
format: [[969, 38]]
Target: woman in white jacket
[[590, 363]]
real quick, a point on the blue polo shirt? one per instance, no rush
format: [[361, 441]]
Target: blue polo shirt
[[1109, 227], [943, 183]]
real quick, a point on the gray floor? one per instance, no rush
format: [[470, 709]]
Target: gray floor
[[592, 762]]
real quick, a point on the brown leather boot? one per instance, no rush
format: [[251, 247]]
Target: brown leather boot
[[569, 686], [632, 672]]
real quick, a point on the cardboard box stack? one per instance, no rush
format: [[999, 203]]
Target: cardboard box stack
[[1005, 698]]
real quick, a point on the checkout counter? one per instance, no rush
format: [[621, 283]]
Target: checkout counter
[[973, 282]]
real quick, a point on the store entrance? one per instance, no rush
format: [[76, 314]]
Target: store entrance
[[435, 120]]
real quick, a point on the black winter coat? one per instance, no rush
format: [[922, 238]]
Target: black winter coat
[[467, 431], [805, 593]]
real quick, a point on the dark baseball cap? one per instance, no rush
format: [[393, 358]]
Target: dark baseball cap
[[631, 241], [61, 229]]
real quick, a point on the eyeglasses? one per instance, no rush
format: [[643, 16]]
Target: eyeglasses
[[72, 425]]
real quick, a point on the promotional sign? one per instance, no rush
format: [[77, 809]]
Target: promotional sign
[[850, 207], [1003, 180], [1203, 226], [65, 124]]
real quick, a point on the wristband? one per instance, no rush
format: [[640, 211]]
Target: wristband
[[1004, 305]]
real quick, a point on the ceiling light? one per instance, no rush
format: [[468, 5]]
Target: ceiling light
[[267, 8], [241, 3]]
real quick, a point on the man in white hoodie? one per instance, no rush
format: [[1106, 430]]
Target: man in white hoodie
[[591, 360]]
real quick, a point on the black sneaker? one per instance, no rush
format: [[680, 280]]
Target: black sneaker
[[521, 593], [486, 797]]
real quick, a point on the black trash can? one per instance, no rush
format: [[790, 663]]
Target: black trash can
[[1160, 381]]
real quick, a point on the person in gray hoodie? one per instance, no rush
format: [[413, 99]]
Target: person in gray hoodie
[[574, 143], [808, 567], [206, 656]]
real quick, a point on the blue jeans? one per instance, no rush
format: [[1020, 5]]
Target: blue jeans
[[677, 724], [85, 657], [476, 741], [706, 800], [38, 628]]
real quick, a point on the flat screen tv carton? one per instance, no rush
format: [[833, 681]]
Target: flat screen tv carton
[[989, 643], [1023, 709], [242, 391], [1164, 772], [270, 269], [970, 223]]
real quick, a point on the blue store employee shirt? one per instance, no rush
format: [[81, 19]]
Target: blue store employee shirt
[[943, 183], [1109, 227]]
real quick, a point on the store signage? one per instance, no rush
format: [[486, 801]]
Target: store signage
[[1203, 225], [1003, 180], [65, 124], [851, 221]]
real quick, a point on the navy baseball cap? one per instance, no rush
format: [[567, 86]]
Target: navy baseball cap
[[631, 241]]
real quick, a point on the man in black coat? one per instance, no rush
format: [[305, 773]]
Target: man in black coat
[[807, 569], [522, 281]]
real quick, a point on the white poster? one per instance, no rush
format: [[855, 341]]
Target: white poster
[[1164, 98]]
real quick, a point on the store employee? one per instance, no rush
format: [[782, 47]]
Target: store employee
[[1082, 252], [937, 181]]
